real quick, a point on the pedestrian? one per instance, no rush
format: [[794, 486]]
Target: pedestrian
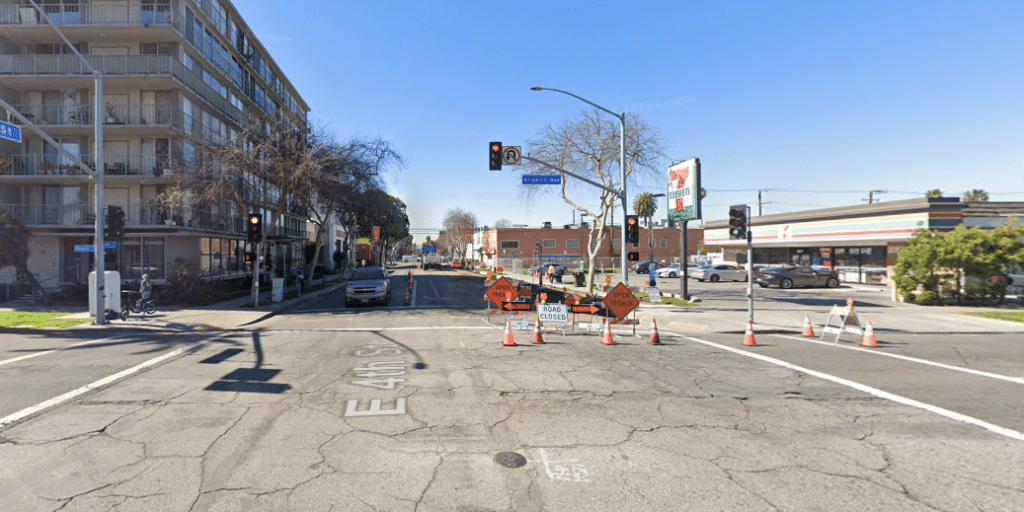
[[145, 289]]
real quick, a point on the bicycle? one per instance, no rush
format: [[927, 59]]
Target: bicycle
[[129, 306]]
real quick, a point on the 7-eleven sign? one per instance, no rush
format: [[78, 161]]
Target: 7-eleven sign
[[376, 234]]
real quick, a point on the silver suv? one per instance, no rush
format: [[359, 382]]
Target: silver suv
[[368, 285]]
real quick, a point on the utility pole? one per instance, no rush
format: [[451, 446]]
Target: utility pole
[[871, 195]]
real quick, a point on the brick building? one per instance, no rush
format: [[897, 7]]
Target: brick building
[[522, 246]]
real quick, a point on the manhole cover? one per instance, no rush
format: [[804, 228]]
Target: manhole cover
[[510, 459]]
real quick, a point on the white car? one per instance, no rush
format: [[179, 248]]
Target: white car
[[719, 272], [668, 271]]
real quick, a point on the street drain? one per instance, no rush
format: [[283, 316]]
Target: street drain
[[510, 459]]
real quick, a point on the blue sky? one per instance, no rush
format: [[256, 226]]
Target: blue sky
[[816, 103]]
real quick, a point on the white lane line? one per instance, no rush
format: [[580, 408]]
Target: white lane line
[[1015, 380], [44, 352], [1003, 431], [11, 419], [379, 329]]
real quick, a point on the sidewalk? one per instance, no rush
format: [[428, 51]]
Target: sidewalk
[[223, 315]]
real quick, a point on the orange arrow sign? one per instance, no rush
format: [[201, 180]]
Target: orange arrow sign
[[513, 306], [589, 308]]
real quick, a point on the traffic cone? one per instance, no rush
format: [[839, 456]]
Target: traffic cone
[[407, 296], [537, 336], [509, 340], [655, 339], [869, 336], [608, 338], [748, 337], [808, 329]]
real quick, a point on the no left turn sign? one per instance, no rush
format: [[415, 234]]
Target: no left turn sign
[[510, 155]]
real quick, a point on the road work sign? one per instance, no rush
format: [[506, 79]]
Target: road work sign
[[553, 313]]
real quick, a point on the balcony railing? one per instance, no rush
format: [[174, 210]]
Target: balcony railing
[[86, 14], [114, 165], [137, 215], [118, 65], [82, 115]]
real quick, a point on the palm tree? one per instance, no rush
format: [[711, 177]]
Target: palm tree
[[645, 205], [975, 196], [933, 193]]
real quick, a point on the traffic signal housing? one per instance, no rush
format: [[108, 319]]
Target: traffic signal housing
[[634, 256], [633, 230], [254, 228], [495, 156], [738, 222], [115, 223]]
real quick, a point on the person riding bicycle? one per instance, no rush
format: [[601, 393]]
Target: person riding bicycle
[[145, 288]]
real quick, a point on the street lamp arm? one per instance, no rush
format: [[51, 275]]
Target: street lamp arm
[[621, 117]]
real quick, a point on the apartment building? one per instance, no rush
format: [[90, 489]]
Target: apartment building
[[172, 70]]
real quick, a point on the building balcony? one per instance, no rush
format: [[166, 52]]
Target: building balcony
[[74, 15], [138, 216], [153, 166], [35, 72], [82, 115]]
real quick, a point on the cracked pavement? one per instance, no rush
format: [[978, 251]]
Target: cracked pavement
[[680, 426]]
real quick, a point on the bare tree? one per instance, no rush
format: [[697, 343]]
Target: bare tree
[[352, 169], [458, 225], [265, 168], [502, 223], [588, 145]]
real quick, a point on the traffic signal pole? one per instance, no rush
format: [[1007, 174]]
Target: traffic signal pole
[[750, 270]]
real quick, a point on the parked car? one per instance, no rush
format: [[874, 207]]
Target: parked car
[[543, 269], [368, 285], [644, 267], [788, 277], [668, 271], [719, 272]]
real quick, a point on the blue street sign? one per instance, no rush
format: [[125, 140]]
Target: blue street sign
[[542, 179], [92, 248], [10, 132]]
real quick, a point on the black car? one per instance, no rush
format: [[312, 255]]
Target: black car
[[788, 277], [543, 269], [644, 267]]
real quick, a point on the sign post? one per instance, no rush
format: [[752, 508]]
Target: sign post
[[684, 196]]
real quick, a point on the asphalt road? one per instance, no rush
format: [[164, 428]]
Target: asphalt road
[[423, 408]]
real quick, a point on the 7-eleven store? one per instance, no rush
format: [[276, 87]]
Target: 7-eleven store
[[860, 242]]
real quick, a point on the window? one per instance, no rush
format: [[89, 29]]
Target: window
[[510, 244], [572, 244], [664, 243], [617, 243], [155, 49], [549, 243]]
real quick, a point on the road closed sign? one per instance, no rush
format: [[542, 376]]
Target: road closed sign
[[553, 313]]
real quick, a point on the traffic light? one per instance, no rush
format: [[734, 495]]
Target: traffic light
[[254, 228], [634, 256], [738, 222], [633, 230], [115, 223], [250, 257], [495, 152]]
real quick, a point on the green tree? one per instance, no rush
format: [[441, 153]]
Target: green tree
[[933, 193], [975, 196], [917, 265], [645, 205], [966, 253]]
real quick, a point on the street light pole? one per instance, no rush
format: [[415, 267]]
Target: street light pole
[[622, 172]]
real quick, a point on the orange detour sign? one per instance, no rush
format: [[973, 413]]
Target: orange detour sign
[[620, 301]]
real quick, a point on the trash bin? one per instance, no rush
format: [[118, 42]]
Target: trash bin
[[580, 278]]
